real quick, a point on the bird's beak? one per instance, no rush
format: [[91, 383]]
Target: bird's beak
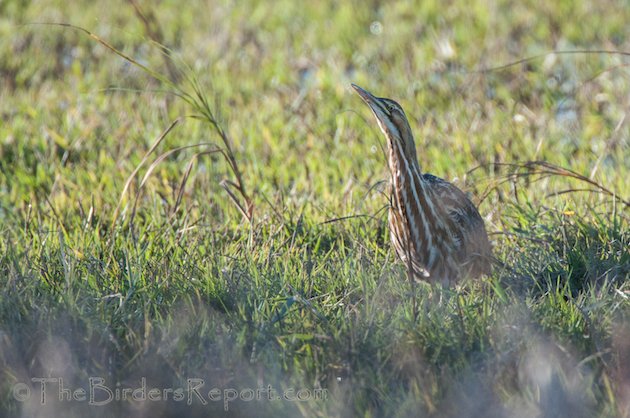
[[380, 111], [367, 97]]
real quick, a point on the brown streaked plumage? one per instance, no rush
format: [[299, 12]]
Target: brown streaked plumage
[[435, 229]]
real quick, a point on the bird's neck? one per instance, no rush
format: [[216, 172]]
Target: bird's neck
[[400, 161]]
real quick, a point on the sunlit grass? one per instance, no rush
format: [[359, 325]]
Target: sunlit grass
[[124, 256]]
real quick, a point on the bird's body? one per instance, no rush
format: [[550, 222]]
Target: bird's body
[[435, 229]]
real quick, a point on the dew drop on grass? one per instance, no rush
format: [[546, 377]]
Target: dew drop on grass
[[376, 28]]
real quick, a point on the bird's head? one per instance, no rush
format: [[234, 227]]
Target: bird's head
[[392, 121]]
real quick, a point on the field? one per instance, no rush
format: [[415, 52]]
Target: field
[[193, 208]]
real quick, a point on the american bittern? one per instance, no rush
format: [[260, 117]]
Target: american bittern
[[435, 229]]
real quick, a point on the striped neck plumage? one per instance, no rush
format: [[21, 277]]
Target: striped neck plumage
[[400, 142]]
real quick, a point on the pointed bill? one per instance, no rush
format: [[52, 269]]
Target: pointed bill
[[380, 110], [372, 101]]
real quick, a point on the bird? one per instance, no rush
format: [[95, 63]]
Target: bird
[[435, 229]]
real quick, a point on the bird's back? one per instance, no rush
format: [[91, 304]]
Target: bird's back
[[475, 250], [467, 240]]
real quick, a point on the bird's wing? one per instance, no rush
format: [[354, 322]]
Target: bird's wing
[[468, 225]]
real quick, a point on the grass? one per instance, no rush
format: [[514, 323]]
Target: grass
[[133, 249]]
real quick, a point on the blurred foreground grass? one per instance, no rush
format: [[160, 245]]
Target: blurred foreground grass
[[308, 295]]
